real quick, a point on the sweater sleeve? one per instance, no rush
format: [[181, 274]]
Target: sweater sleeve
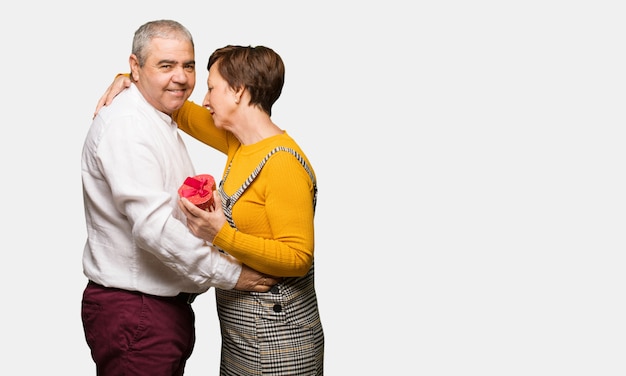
[[197, 122]]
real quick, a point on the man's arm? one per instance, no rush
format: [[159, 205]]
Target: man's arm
[[251, 280]]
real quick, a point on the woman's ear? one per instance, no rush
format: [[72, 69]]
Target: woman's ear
[[238, 94]]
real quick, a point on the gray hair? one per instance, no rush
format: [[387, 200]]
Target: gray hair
[[166, 29]]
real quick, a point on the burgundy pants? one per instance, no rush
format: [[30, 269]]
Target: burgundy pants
[[130, 333]]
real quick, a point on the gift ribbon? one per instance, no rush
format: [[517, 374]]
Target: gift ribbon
[[197, 187]]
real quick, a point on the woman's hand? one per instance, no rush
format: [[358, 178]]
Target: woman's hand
[[120, 83], [204, 224]]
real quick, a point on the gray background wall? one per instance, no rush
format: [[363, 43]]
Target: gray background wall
[[470, 157]]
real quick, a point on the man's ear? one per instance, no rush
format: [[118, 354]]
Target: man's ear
[[134, 67]]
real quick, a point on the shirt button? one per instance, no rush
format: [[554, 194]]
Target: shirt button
[[277, 308], [274, 289]]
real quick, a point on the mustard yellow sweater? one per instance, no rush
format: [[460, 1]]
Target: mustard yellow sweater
[[274, 216]]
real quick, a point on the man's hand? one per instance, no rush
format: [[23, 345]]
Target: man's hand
[[251, 280]]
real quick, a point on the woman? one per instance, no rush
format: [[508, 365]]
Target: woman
[[263, 216]]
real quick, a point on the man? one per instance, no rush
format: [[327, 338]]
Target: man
[[144, 266]]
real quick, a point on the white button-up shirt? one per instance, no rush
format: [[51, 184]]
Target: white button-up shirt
[[133, 163]]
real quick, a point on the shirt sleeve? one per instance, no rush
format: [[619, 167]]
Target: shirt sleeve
[[144, 195]]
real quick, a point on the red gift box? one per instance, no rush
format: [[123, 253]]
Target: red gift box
[[199, 190]]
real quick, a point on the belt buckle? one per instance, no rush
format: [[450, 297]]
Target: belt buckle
[[186, 297], [191, 297]]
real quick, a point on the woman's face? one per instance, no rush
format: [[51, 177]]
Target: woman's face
[[220, 99]]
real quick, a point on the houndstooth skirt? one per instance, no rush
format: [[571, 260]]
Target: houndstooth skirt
[[274, 333]]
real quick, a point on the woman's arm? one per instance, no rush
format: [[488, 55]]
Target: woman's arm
[[276, 237], [192, 118], [197, 122]]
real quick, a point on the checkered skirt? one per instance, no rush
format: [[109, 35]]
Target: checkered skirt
[[274, 333]]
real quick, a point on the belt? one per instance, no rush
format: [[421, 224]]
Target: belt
[[187, 297]]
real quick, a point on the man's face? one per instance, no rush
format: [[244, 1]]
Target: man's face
[[169, 75]]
